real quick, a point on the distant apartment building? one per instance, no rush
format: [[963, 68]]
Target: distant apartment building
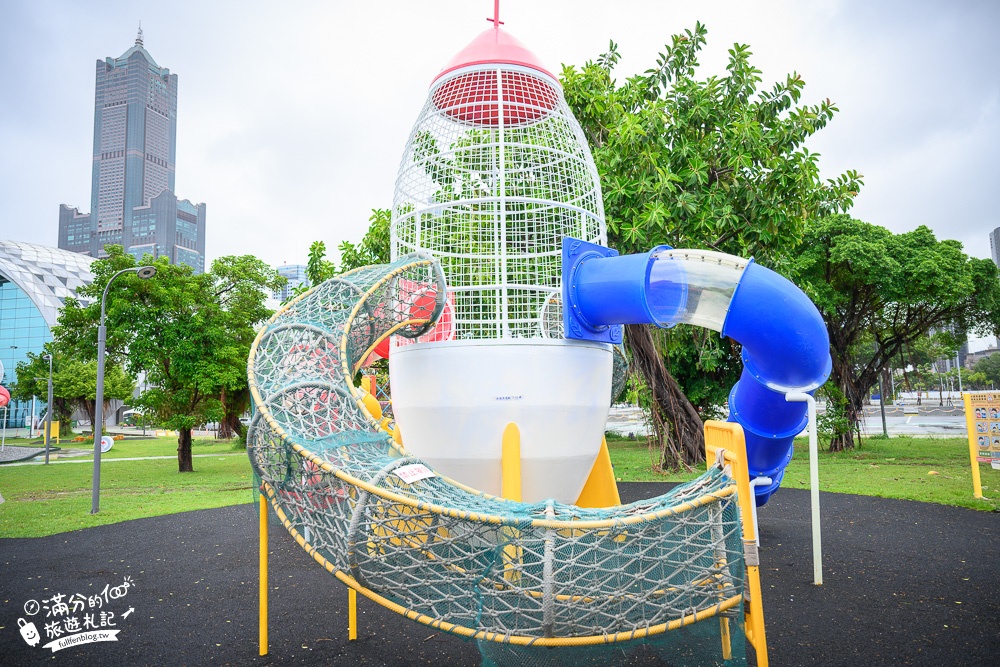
[[132, 200], [974, 358], [296, 276]]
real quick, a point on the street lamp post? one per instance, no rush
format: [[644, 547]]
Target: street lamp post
[[48, 420], [144, 272]]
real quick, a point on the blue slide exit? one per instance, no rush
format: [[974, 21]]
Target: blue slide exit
[[785, 343]]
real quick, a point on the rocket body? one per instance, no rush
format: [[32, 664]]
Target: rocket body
[[495, 173]]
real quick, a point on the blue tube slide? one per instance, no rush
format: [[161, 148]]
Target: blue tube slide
[[785, 343]]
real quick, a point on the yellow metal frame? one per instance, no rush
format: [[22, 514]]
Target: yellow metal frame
[[601, 489], [970, 425], [471, 633], [727, 438], [262, 601]]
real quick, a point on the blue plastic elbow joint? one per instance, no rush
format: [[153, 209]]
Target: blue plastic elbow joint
[[785, 348]]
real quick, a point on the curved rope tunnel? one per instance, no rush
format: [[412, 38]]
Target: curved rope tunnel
[[439, 552]]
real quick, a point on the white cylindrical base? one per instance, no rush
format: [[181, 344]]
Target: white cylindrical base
[[452, 401]]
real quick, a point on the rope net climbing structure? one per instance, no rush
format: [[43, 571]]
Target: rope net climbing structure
[[663, 574]]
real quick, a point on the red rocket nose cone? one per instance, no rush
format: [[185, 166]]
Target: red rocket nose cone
[[494, 46], [473, 97]]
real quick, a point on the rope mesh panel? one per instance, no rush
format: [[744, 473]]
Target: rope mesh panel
[[495, 570], [495, 173]]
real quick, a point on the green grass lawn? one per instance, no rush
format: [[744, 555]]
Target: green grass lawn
[[935, 470], [45, 500]]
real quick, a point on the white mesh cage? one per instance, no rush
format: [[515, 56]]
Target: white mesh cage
[[495, 173]]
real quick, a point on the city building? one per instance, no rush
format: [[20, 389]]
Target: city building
[[34, 283], [132, 200], [296, 276], [974, 358]]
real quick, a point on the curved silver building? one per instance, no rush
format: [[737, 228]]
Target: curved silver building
[[34, 283]]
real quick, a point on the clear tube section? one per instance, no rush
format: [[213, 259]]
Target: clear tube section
[[692, 287]]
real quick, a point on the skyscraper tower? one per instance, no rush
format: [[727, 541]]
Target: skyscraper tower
[[132, 199]]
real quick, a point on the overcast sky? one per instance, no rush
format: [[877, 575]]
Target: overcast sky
[[292, 117]]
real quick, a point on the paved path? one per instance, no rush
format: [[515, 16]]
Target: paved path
[[905, 584], [18, 453]]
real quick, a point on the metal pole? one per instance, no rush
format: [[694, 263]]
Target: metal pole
[[958, 367], [881, 397], [881, 403], [143, 272], [31, 427], [102, 332], [813, 482], [48, 427], [3, 442]]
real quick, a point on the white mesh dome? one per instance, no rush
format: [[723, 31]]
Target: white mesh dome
[[495, 173]]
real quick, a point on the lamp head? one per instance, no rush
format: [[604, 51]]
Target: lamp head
[[47, 357], [146, 272]]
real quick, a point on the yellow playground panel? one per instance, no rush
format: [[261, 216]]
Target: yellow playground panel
[[982, 419]]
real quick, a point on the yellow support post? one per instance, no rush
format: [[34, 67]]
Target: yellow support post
[[970, 425], [601, 490], [262, 639], [510, 488], [352, 614], [728, 436], [510, 463]]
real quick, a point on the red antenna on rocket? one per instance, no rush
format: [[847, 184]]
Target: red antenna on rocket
[[496, 15]]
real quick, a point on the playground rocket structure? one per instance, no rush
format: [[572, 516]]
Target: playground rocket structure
[[495, 174], [498, 184], [508, 303]]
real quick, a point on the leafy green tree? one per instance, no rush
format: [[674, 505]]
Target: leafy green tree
[[374, 247], [190, 334], [989, 367], [896, 288], [74, 383], [318, 268], [976, 380], [708, 162]]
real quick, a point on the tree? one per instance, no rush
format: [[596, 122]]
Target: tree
[[74, 383], [190, 334], [896, 288], [705, 163], [990, 368], [318, 268], [374, 247]]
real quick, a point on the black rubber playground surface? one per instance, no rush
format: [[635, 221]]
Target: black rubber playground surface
[[905, 583]]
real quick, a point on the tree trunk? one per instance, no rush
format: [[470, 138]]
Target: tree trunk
[[185, 461], [89, 409], [853, 407], [231, 427], [234, 404], [675, 420]]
